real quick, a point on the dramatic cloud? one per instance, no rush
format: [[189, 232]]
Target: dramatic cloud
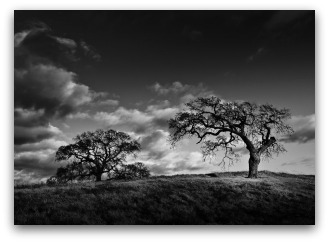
[[34, 134], [45, 90], [49, 88], [304, 127]]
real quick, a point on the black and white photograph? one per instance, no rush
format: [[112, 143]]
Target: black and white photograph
[[164, 117]]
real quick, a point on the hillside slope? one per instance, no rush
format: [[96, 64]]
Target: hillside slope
[[223, 198]]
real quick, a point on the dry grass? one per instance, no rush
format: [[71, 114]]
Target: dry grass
[[224, 198]]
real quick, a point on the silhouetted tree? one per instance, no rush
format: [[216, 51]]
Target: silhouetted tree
[[219, 124], [95, 153]]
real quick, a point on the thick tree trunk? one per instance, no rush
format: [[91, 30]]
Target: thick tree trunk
[[254, 161]]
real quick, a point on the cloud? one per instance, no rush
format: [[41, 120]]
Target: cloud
[[29, 117], [50, 88], [46, 144], [186, 92], [178, 163], [155, 145], [39, 43], [150, 128], [123, 116], [69, 43], [308, 162], [241, 149], [23, 177], [34, 134], [194, 92], [41, 163], [175, 88], [90, 52], [19, 37], [304, 127], [107, 102], [162, 159], [44, 89], [34, 159], [135, 120], [79, 115]]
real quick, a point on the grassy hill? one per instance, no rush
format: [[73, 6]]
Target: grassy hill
[[223, 198]]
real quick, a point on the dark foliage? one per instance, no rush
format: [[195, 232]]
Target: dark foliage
[[95, 153]]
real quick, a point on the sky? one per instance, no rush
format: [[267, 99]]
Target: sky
[[132, 71]]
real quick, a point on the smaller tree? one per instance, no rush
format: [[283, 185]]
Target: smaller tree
[[95, 153]]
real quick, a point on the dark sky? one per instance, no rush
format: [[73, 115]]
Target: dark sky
[[132, 70], [262, 56]]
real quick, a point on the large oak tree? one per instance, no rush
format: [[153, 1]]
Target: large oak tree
[[225, 125], [95, 153]]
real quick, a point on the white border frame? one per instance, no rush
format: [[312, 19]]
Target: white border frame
[[143, 234]]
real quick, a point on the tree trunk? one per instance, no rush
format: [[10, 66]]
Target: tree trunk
[[254, 161], [99, 176]]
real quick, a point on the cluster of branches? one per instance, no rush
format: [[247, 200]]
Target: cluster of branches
[[95, 153], [224, 125]]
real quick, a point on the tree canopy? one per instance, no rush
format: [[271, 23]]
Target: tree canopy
[[95, 153], [224, 125]]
